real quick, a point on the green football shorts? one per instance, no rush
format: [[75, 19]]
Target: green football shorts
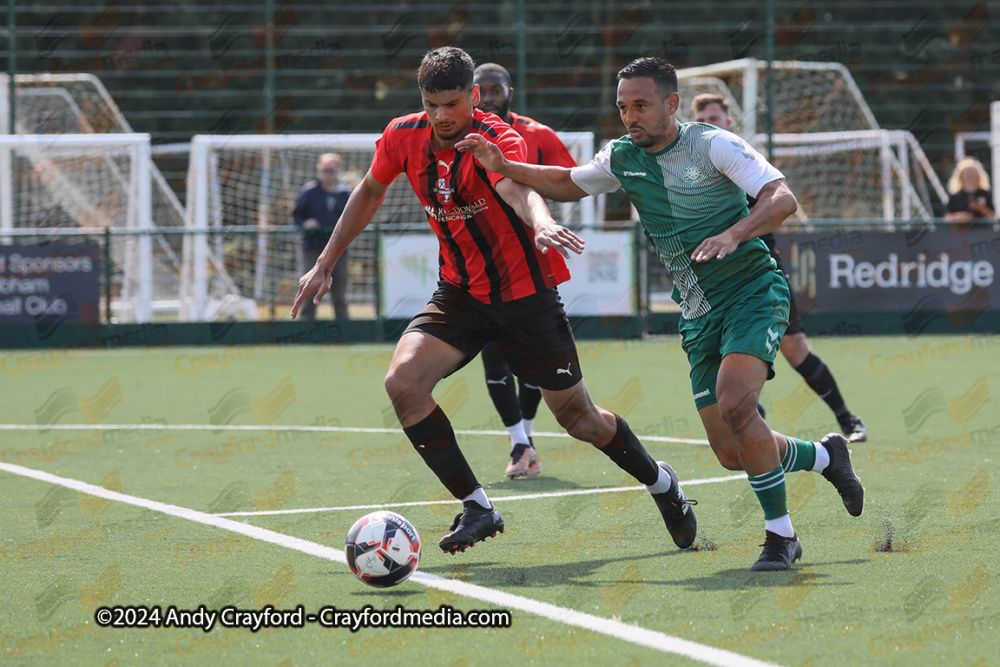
[[751, 320]]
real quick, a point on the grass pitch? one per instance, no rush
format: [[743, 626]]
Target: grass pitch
[[911, 580]]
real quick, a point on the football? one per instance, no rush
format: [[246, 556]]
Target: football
[[383, 549]]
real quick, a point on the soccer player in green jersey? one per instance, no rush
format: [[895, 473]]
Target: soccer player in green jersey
[[689, 183]]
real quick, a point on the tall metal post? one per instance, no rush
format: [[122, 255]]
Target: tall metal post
[[107, 258], [271, 64], [11, 64], [7, 194], [769, 84], [522, 57], [263, 239]]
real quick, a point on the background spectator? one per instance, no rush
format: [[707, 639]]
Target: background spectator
[[969, 187], [317, 210]]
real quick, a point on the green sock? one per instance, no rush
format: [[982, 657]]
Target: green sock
[[799, 455], [770, 490]]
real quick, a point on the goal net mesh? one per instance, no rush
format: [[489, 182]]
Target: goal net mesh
[[256, 186], [58, 184], [89, 187], [839, 178]]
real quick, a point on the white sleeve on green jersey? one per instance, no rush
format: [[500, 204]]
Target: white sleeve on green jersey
[[595, 177], [740, 163]]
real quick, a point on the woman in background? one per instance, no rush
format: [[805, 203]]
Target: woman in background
[[970, 193]]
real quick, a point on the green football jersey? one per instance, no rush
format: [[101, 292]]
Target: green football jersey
[[693, 189]]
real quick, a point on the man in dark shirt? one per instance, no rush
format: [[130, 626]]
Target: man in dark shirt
[[317, 210], [714, 110]]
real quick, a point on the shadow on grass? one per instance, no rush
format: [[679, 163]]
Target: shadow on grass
[[737, 579], [574, 573], [373, 594], [581, 573], [742, 578]]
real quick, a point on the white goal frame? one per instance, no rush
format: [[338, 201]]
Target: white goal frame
[[893, 145], [963, 138], [896, 147], [136, 306], [201, 219], [752, 87], [36, 85]]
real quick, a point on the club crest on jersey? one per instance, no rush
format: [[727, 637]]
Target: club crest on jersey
[[443, 191], [692, 173]]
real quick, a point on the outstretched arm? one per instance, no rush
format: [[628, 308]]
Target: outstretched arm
[[531, 208], [359, 211], [775, 202], [549, 181]]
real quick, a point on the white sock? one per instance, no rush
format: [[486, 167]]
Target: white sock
[[480, 497], [782, 526], [517, 435], [662, 483], [527, 424], [822, 458]]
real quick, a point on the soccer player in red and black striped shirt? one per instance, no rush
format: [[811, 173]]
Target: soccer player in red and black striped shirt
[[497, 283], [517, 405]]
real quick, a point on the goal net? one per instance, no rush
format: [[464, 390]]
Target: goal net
[[835, 157], [242, 191], [73, 187], [80, 104]]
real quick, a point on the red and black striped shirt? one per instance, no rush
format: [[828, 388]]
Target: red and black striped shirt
[[485, 248]]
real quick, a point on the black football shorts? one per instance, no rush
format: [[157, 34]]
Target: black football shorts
[[532, 333]]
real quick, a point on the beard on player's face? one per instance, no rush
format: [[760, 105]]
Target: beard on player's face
[[495, 93], [495, 101], [651, 131], [499, 109], [644, 140]]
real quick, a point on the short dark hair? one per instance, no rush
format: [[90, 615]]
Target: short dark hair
[[493, 67], [447, 68], [699, 103], [657, 69]]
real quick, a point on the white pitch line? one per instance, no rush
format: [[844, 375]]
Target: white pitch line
[[606, 626], [331, 429], [526, 496]]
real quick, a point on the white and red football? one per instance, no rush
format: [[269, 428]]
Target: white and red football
[[383, 549]]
